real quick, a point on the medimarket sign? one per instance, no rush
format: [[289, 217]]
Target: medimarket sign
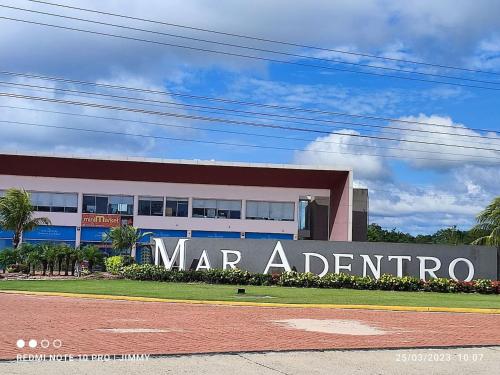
[[372, 259]]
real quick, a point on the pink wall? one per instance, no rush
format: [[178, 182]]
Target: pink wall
[[179, 190]]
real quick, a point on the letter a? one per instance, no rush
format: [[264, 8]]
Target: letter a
[[204, 262], [284, 261]]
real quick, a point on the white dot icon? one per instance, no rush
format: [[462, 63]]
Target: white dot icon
[[20, 343], [32, 343]]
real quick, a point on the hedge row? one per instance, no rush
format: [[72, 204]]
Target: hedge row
[[309, 280]]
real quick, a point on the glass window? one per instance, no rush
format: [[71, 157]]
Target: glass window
[[182, 208], [54, 202], [176, 207], [89, 205], [288, 211], [144, 207], [222, 209], [113, 204], [258, 210], [70, 202], [101, 204], [150, 206], [304, 215]]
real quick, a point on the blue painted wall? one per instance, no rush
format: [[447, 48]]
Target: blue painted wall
[[51, 233], [269, 236], [210, 234], [92, 234], [162, 233]]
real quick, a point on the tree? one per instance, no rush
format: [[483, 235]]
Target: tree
[[34, 258], [16, 214], [30, 255], [76, 255], [451, 236], [377, 234], [7, 258], [50, 253], [125, 238], [93, 255], [66, 253], [489, 220]]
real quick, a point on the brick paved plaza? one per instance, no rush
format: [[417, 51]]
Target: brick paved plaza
[[87, 326]]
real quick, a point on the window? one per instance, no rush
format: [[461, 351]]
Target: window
[[259, 210], [54, 202], [112, 204], [151, 206], [177, 207], [304, 222], [221, 209]]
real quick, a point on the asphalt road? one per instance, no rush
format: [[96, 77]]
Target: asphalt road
[[485, 360]]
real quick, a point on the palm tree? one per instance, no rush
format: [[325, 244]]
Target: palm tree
[[7, 258], [60, 256], [92, 254], [125, 238], [16, 214], [67, 253], [76, 255], [50, 254], [29, 254], [34, 258], [489, 220]]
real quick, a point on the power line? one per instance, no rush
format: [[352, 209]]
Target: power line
[[245, 116], [211, 142], [289, 54], [260, 58], [239, 102], [188, 127], [323, 121], [292, 44], [138, 110]]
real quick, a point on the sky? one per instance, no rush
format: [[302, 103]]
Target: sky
[[416, 183]]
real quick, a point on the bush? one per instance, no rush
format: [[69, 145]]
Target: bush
[[297, 279], [405, 283], [307, 280], [440, 285], [18, 268], [114, 264], [484, 286]]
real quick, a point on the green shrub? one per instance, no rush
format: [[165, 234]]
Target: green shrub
[[297, 279], [15, 268], [307, 280], [440, 285], [114, 264], [484, 286]]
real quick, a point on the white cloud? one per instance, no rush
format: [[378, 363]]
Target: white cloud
[[463, 190], [443, 31], [341, 151], [465, 145], [19, 137]]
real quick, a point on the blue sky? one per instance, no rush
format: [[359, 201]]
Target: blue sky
[[410, 190]]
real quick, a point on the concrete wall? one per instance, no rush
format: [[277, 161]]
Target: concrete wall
[[360, 214], [346, 256]]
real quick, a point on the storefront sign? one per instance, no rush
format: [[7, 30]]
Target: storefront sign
[[320, 257], [101, 220]]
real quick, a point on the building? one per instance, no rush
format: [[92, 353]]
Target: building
[[360, 215], [85, 196]]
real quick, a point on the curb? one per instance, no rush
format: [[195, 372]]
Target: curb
[[259, 304]]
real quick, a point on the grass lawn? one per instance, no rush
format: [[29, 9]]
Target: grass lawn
[[254, 293]]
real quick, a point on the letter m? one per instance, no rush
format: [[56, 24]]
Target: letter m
[[179, 252]]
